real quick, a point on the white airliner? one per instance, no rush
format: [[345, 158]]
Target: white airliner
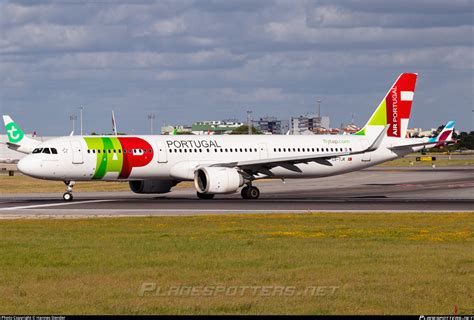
[[224, 164]]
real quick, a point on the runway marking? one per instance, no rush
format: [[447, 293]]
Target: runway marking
[[52, 205]]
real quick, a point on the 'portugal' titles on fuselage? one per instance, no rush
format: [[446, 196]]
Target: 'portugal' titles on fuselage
[[192, 144]]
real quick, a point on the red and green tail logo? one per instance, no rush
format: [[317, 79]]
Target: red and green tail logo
[[395, 108]]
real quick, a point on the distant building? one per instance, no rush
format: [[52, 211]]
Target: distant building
[[309, 122], [350, 129], [180, 129], [271, 125], [420, 133], [215, 127]]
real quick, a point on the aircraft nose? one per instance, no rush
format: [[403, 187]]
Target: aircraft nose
[[27, 166]]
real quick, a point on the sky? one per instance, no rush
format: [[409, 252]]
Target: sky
[[188, 61]]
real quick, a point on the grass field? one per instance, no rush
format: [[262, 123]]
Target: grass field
[[378, 263]]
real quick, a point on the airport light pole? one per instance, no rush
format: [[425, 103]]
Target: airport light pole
[[318, 101], [81, 108], [249, 121], [151, 117], [73, 118]]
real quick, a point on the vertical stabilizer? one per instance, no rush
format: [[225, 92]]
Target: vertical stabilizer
[[394, 110]]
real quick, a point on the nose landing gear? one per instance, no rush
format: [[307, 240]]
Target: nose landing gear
[[67, 196]]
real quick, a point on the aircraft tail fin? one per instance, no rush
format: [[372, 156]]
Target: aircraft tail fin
[[17, 139], [394, 110], [445, 136]]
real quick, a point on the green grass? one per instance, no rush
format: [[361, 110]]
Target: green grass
[[25, 184], [381, 263], [441, 161]]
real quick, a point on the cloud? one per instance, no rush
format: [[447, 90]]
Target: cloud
[[192, 60]]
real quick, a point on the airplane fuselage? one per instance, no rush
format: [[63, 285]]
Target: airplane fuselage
[[110, 158]]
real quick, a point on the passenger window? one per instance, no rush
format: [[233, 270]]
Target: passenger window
[[38, 150], [98, 150], [54, 151], [46, 150]]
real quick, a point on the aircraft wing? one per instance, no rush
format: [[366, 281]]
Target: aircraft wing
[[421, 144], [264, 165]]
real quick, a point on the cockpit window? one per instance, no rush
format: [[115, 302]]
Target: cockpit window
[[37, 150], [54, 151], [46, 150]]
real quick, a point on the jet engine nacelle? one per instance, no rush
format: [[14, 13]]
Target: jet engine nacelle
[[217, 180], [152, 186]]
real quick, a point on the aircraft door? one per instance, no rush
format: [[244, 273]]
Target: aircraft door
[[77, 155], [263, 151], [162, 152]]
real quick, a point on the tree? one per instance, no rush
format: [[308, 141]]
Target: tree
[[466, 141], [245, 130]]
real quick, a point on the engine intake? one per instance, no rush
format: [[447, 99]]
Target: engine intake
[[152, 186], [217, 180]]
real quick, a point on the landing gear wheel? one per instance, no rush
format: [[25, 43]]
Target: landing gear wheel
[[67, 196], [206, 196], [250, 193], [243, 192]]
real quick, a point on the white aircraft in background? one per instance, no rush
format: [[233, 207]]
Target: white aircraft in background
[[153, 164]]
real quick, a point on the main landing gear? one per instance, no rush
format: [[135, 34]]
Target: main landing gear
[[68, 195], [250, 192]]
